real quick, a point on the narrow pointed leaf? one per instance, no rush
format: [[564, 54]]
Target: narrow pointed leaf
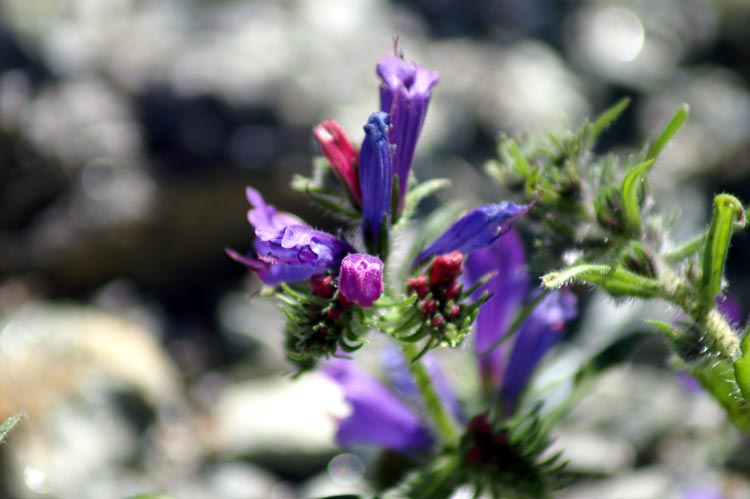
[[420, 192], [727, 211], [615, 280], [631, 191], [8, 425], [666, 135], [742, 369], [606, 118]]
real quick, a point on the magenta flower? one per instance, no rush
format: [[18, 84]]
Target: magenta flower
[[477, 229], [404, 94], [286, 249], [361, 278]]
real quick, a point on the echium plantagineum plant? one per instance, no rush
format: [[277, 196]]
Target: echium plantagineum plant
[[470, 284]]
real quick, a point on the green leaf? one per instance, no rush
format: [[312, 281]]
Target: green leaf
[[438, 480], [615, 280], [727, 211], [631, 191], [742, 368], [325, 198], [606, 118], [522, 166], [717, 378], [9, 424], [669, 131], [420, 192]]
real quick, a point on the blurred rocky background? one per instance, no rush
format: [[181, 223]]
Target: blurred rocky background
[[128, 130]]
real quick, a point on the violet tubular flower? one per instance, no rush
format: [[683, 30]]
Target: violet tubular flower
[[377, 416], [508, 374], [405, 95], [477, 229], [376, 182], [286, 249]]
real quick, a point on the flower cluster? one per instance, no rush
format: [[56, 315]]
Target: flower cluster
[[505, 372], [472, 277]]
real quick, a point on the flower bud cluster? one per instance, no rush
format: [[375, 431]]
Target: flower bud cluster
[[484, 446], [439, 291], [442, 310], [322, 322], [508, 457]]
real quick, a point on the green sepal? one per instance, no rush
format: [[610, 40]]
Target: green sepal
[[9, 424], [637, 259], [528, 469], [717, 378], [605, 119], [742, 368], [325, 198], [522, 165], [395, 196], [666, 135], [727, 211], [631, 190], [437, 480], [609, 210], [616, 280], [418, 193]]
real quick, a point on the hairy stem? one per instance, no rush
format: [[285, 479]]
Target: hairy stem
[[444, 424]]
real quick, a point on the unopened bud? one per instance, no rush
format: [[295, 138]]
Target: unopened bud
[[446, 268], [418, 285], [322, 285]]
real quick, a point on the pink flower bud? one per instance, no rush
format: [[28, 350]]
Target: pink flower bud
[[338, 150], [361, 278]]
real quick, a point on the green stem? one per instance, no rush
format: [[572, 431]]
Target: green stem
[[686, 249], [718, 330], [722, 334], [444, 424]]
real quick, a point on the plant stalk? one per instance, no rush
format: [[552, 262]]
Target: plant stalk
[[443, 422]]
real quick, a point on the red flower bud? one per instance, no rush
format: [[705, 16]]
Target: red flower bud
[[333, 312], [428, 307], [454, 311], [437, 321], [418, 285], [322, 285], [338, 150], [446, 268], [451, 291]]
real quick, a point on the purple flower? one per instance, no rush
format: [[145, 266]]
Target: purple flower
[[509, 374], [361, 278], [287, 250], [377, 416], [375, 179], [404, 94], [477, 229], [731, 308], [539, 332], [508, 289]]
